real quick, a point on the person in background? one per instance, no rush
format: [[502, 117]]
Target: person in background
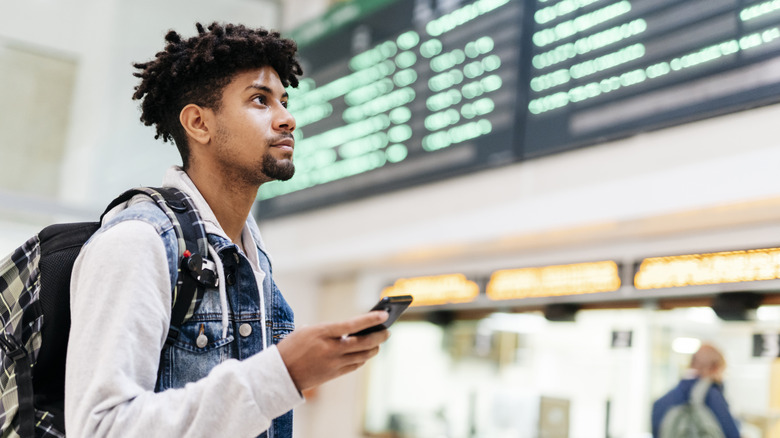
[[238, 368], [706, 363]]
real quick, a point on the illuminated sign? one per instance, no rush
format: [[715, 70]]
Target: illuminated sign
[[397, 93], [547, 281], [434, 290], [712, 268], [602, 68], [413, 92]]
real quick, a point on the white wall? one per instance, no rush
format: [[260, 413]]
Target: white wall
[[107, 149]]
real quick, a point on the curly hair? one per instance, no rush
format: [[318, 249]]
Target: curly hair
[[196, 70]]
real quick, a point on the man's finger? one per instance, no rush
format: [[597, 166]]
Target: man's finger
[[358, 323], [356, 360], [354, 344], [362, 356]]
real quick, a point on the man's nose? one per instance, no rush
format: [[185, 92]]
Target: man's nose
[[285, 121]]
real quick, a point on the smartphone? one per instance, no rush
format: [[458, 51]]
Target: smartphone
[[395, 306]]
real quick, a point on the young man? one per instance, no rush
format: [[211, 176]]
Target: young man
[[238, 367], [706, 363]]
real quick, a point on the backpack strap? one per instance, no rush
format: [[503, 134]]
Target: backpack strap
[[196, 272], [699, 391], [24, 385], [19, 288]]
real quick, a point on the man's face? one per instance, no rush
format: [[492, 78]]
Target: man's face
[[253, 142]]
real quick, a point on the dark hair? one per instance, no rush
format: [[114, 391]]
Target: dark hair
[[196, 71]]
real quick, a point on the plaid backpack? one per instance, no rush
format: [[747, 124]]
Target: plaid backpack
[[35, 310]]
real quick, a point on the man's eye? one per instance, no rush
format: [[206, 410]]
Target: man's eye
[[260, 99], [284, 103]]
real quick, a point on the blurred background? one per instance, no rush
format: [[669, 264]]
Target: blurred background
[[577, 193]]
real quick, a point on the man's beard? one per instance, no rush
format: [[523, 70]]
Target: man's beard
[[268, 169], [281, 170]]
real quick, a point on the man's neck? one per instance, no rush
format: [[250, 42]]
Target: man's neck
[[230, 203]]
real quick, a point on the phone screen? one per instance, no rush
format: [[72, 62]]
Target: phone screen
[[395, 306]]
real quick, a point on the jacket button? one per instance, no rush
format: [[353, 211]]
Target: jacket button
[[231, 279], [245, 330], [201, 341]]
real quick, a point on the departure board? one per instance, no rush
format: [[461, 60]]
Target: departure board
[[605, 69], [410, 93], [397, 93]]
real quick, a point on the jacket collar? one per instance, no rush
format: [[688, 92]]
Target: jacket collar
[[177, 178]]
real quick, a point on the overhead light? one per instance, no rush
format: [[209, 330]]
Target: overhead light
[[686, 345], [513, 322], [704, 315], [768, 313], [736, 306], [561, 312]]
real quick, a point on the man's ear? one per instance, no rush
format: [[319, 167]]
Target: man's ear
[[195, 120]]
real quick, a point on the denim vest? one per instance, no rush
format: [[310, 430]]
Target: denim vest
[[188, 360]]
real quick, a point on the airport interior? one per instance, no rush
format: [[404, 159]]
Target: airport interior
[[578, 194]]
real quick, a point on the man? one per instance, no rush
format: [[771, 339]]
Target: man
[[220, 96], [706, 363]]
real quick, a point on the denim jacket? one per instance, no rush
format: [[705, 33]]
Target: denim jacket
[[214, 362]]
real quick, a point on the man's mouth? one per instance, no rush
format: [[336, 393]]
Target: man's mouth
[[285, 143]]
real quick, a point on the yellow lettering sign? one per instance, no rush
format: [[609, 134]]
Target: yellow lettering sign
[[712, 268], [580, 278], [434, 290]]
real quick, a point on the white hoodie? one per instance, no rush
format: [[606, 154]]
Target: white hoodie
[[120, 312]]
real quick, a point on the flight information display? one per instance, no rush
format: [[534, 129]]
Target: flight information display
[[602, 69], [410, 93], [397, 93]]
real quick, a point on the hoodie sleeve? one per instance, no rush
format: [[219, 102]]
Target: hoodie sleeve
[[120, 310], [720, 408]]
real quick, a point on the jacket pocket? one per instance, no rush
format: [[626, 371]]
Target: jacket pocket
[[199, 348]]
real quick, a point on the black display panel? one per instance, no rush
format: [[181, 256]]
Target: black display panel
[[413, 92], [400, 93], [606, 69]]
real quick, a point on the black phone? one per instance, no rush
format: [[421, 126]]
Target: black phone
[[395, 306]]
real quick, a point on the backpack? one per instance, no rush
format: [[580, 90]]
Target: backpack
[[35, 309], [692, 419]]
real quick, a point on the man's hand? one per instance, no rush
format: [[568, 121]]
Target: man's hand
[[319, 353]]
